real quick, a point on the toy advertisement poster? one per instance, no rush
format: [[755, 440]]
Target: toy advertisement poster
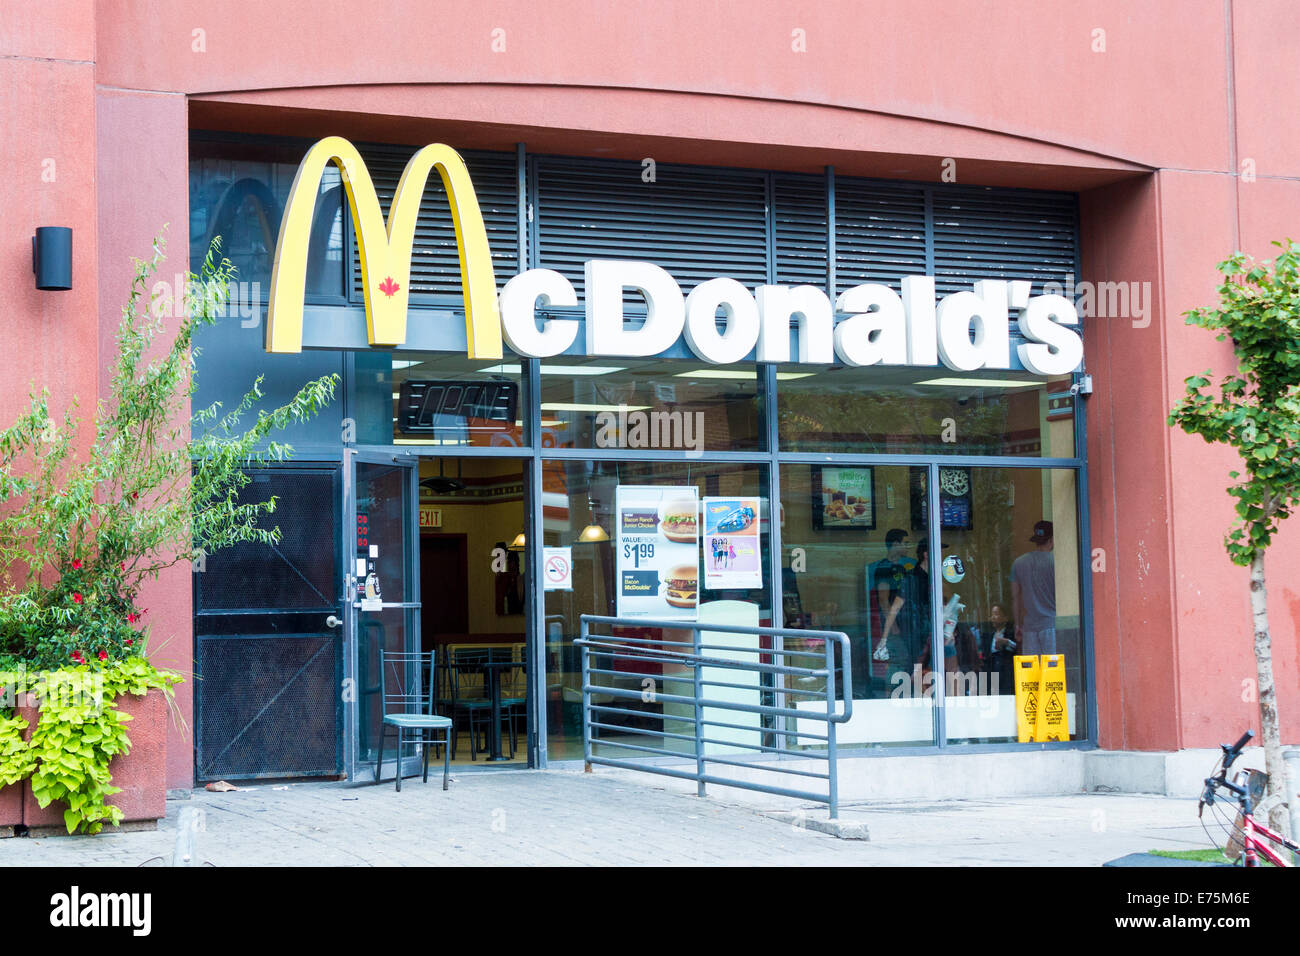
[[732, 557]]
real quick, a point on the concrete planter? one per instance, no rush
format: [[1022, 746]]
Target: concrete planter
[[11, 809], [11, 797], [141, 774]]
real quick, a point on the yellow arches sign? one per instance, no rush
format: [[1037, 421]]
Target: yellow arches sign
[[385, 250]]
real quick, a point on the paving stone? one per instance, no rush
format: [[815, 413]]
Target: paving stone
[[564, 818]]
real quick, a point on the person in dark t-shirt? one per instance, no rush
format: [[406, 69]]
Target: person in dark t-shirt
[[907, 623]]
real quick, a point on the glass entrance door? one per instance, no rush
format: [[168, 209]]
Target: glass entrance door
[[381, 607]]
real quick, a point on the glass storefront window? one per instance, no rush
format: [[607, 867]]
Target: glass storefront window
[[651, 404], [579, 511], [1010, 575], [238, 191], [881, 410], [437, 398], [853, 544]]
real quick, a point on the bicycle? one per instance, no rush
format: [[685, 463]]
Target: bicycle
[[1246, 789]]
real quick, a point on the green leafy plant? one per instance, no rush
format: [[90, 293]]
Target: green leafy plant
[[156, 486], [79, 732], [1256, 412], [85, 523], [16, 760]]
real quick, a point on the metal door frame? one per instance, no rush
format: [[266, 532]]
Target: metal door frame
[[347, 599]]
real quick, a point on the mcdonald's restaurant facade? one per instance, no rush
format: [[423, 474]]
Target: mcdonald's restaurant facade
[[904, 318]]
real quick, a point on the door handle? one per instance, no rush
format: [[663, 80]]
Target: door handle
[[332, 621]]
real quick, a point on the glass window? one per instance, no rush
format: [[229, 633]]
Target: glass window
[[437, 398], [238, 191], [880, 410], [854, 560], [580, 502], [1010, 577], [656, 403]]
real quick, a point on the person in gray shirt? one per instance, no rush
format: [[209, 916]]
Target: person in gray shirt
[[1033, 594]]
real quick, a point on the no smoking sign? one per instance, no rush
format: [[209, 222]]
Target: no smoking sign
[[557, 569]]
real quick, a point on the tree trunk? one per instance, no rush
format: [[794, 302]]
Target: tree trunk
[[1270, 729]]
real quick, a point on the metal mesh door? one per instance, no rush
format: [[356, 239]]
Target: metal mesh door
[[268, 669]]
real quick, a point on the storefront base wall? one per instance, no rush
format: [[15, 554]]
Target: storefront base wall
[[879, 778]]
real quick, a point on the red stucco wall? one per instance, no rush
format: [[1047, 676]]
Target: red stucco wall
[[1154, 132]]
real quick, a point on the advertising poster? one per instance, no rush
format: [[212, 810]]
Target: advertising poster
[[732, 558], [657, 550]]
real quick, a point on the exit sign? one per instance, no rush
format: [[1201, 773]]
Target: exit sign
[[430, 517]]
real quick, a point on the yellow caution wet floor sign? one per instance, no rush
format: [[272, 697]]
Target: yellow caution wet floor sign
[[1053, 722], [1028, 671]]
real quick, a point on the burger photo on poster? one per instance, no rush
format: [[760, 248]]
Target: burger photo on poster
[[679, 520], [681, 585]]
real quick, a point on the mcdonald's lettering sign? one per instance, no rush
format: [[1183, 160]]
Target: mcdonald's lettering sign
[[868, 324]]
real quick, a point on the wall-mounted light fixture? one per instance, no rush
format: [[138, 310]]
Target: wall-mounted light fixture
[[52, 258]]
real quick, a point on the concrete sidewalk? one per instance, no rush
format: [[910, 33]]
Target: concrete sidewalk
[[569, 818]]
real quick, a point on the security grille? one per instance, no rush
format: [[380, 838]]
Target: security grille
[[435, 261], [267, 706], [695, 222], [986, 233], [799, 229], [879, 232]]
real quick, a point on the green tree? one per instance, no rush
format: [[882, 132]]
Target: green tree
[[82, 530], [1256, 412]]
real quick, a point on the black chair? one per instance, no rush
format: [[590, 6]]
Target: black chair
[[514, 690], [412, 709], [469, 698]]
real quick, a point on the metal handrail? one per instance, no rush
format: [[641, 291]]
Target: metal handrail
[[693, 658]]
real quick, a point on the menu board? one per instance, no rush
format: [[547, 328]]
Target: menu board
[[731, 552], [956, 509], [843, 498], [657, 551]]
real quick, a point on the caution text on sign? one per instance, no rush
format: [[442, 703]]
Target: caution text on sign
[[1053, 719], [1027, 670]]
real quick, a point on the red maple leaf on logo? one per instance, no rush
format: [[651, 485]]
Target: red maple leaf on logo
[[388, 286]]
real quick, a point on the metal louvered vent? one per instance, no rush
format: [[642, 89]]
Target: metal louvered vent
[[435, 262], [800, 229], [986, 233], [697, 223], [879, 232]]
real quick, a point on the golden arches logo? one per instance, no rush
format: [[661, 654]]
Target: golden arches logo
[[385, 250]]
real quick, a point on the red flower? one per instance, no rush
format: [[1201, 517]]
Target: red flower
[[388, 287], [76, 656], [132, 618], [135, 495], [103, 655], [76, 564], [130, 641], [76, 596], [122, 566]]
